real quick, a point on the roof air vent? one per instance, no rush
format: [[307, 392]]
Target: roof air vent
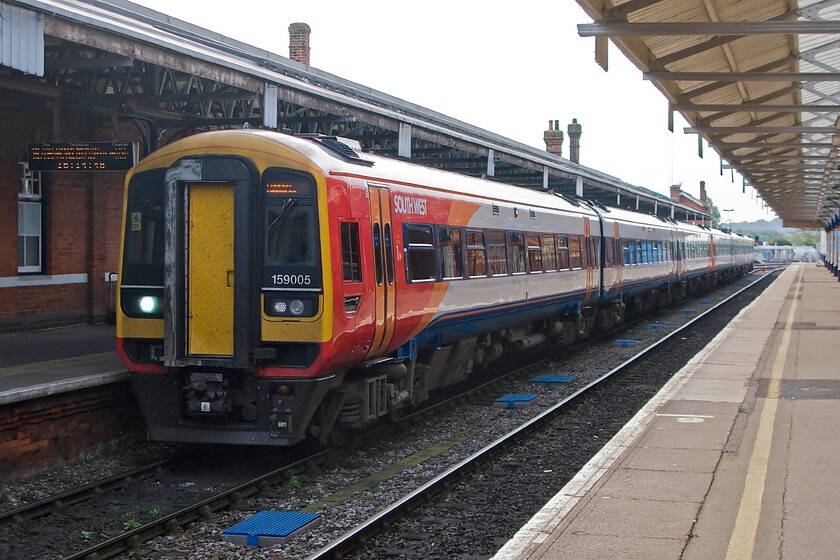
[[336, 147]]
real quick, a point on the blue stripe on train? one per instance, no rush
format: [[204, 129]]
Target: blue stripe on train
[[454, 326]]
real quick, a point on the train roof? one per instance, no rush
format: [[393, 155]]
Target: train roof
[[404, 172], [371, 167], [345, 160]]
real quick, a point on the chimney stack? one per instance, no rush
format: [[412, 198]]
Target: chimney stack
[[299, 42], [554, 139], [703, 193], [574, 130], [675, 192]]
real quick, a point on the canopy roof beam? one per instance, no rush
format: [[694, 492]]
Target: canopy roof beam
[[668, 28]]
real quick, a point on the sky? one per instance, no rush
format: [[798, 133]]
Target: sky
[[506, 67]]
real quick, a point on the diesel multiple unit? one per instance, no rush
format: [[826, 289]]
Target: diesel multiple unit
[[276, 288]]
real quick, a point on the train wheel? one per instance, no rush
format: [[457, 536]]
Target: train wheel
[[324, 426]]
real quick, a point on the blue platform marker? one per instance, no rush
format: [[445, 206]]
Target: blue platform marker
[[268, 528], [516, 401], [706, 300], [625, 341], [548, 379], [657, 325], [687, 311]]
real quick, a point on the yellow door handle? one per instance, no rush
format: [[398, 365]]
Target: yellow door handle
[[230, 278]]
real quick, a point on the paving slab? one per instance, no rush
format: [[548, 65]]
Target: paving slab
[[688, 478]]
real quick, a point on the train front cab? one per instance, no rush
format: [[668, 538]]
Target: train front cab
[[223, 317]]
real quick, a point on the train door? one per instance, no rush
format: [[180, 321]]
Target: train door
[[618, 258], [383, 272], [713, 258], [208, 317], [589, 262], [210, 270]]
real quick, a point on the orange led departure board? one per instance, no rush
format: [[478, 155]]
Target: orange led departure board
[[82, 156]]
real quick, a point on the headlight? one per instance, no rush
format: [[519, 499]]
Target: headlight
[[148, 304], [142, 303], [290, 305], [296, 307]]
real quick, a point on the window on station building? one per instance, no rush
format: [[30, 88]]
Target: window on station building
[[30, 225]]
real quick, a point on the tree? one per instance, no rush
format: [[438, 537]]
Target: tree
[[804, 238], [779, 241], [713, 210]]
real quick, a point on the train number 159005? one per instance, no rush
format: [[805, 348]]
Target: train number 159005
[[291, 279]]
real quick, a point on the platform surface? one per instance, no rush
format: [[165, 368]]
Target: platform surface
[[737, 457], [37, 364]]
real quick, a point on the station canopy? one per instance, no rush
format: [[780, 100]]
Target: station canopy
[[759, 80]]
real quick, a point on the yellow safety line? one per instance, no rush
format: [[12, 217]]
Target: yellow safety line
[[742, 540]]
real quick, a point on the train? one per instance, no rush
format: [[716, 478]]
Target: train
[[276, 288]]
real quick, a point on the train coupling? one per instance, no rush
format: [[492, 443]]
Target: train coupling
[[206, 395]]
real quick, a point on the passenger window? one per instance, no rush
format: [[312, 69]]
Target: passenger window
[[562, 253], [625, 253], [517, 252], [575, 260], [609, 244], [420, 264], [498, 252], [389, 255], [350, 261], [377, 252], [549, 253], [585, 252], [476, 254], [592, 257], [450, 253], [534, 253]]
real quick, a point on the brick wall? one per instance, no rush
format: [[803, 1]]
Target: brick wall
[[38, 433], [81, 222]]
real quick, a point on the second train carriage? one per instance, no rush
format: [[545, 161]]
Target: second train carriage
[[274, 288]]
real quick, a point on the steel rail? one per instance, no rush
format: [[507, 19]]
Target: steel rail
[[205, 509], [362, 533], [71, 497]]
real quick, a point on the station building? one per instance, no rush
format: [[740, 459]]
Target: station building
[[83, 76]]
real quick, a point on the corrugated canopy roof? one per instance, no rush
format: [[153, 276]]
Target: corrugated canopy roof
[[757, 79]]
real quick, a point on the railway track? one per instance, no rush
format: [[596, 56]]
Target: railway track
[[442, 484], [238, 496], [59, 502]]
